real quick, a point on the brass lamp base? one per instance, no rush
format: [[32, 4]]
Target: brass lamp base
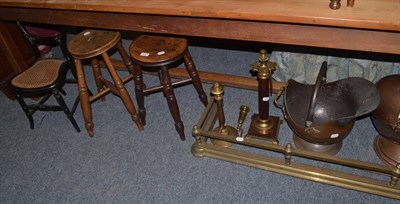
[[230, 132], [264, 129], [330, 149], [387, 151]]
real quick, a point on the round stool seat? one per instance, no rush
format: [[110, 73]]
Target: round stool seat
[[90, 43], [155, 51]]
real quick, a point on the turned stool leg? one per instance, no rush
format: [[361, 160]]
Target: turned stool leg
[[172, 103], [84, 98], [191, 68], [127, 60], [98, 78], [123, 93], [136, 71], [139, 87]]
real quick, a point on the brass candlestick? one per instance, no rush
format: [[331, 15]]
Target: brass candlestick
[[217, 90], [242, 116], [264, 126]]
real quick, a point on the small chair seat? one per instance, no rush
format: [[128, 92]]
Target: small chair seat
[[161, 53], [43, 73]]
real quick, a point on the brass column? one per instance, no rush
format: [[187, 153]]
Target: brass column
[[264, 126], [218, 90]]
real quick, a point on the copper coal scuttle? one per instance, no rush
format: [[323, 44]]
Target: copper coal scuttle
[[323, 114], [386, 119]]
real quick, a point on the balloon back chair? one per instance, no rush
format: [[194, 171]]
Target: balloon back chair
[[45, 78]]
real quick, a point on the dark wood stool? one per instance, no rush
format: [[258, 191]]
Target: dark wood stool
[[90, 44], [160, 53]]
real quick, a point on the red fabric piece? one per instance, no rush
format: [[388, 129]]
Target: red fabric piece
[[41, 32]]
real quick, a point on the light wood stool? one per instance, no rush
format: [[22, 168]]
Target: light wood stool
[[90, 44]]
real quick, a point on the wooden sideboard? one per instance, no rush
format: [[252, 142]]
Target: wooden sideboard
[[16, 54]]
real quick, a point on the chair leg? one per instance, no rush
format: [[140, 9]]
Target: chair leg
[[66, 110], [98, 76], [26, 110], [76, 103], [136, 71], [63, 91], [73, 72], [123, 93], [191, 68], [84, 98], [171, 100]]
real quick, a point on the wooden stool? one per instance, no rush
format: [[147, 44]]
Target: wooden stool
[[159, 53], [90, 44]]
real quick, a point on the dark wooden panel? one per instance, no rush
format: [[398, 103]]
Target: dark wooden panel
[[367, 14], [16, 54], [294, 34]]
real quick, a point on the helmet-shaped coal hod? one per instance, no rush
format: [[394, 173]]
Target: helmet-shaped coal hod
[[323, 114], [386, 119]]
